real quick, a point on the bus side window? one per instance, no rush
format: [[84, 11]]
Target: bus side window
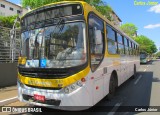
[[96, 37], [126, 46], [111, 40], [120, 44]]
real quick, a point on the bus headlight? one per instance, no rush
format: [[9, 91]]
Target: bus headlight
[[73, 87], [79, 83], [66, 90]]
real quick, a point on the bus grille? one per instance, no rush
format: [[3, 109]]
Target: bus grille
[[50, 73], [44, 74]]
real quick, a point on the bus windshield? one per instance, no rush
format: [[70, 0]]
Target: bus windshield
[[61, 45]]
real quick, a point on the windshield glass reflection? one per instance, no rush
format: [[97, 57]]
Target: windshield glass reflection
[[62, 45]]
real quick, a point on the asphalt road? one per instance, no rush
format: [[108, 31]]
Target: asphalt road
[[144, 90]]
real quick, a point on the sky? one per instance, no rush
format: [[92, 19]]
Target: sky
[[144, 14]]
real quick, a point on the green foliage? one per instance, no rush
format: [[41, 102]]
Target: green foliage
[[146, 44], [157, 54], [8, 21], [105, 10], [98, 4], [129, 28]]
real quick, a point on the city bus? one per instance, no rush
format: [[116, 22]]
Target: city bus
[[72, 57]]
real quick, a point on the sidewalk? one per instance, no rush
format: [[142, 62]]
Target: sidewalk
[[8, 92], [8, 95]]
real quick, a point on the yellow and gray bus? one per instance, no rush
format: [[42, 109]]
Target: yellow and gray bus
[[72, 56]]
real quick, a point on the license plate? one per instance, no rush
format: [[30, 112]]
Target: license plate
[[39, 97]]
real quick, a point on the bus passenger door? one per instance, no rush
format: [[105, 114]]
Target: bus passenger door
[[97, 74], [97, 49]]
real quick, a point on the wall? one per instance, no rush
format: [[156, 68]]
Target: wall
[[8, 74], [7, 12]]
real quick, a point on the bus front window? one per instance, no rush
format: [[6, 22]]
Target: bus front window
[[61, 45]]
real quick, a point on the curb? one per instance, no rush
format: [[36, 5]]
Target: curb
[[8, 101]]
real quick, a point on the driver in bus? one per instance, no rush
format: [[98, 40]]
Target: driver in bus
[[72, 54]]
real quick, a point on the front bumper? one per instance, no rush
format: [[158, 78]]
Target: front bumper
[[79, 99]]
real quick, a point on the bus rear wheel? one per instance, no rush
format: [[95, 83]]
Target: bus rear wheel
[[112, 87]]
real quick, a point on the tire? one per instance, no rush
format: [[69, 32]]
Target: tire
[[112, 87]]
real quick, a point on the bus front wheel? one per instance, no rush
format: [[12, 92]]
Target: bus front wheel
[[112, 87]]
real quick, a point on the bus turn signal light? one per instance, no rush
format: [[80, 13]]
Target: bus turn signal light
[[83, 79]]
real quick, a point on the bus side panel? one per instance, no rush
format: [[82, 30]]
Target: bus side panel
[[98, 90], [97, 86]]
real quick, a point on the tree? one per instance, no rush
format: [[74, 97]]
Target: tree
[[8, 21], [130, 29], [157, 54], [100, 6], [146, 44]]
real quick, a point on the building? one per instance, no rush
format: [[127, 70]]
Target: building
[[115, 19], [8, 8]]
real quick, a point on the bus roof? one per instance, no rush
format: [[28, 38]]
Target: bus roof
[[55, 3]]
